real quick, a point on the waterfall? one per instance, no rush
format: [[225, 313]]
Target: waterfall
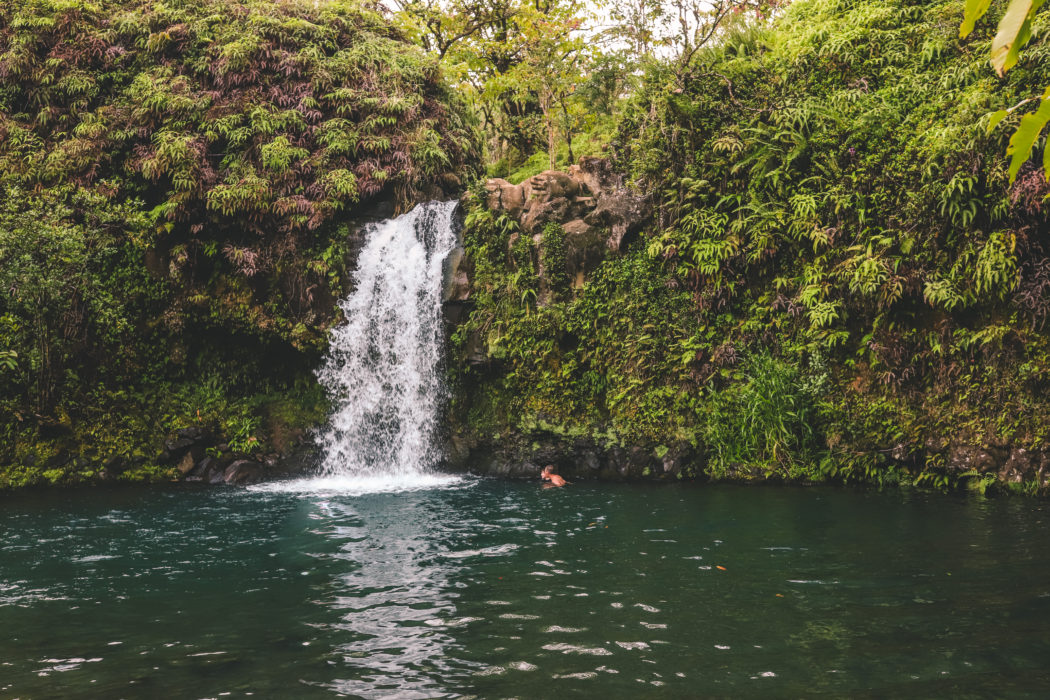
[[382, 370]]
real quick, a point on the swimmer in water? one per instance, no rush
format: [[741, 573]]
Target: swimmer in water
[[548, 475]]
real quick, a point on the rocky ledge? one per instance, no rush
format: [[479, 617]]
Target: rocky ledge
[[590, 202], [197, 456], [589, 198], [574, 458], [523, 456]]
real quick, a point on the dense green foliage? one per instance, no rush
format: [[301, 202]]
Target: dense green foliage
[[843, 276], [840, 270], [176, 182], [580, 360], [541, 75]]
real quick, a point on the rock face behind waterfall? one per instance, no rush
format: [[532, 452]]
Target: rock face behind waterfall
[[383, 371]]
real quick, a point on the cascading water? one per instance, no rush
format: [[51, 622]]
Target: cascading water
[[383, 367]]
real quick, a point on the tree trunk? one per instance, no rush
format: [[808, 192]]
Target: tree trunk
[[43, 397], [552, 144], [568, 133], [552, 132]]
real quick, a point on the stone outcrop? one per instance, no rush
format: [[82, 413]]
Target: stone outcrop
[[197, 456], [598, 215], [591, 203], [1007, 463], [455, 293]]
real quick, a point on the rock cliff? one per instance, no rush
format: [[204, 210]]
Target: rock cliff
[[597, 213]]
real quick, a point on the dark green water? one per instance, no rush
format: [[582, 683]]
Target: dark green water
[[496, 589]]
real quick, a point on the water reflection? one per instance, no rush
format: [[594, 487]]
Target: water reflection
[[390, 595], [494, 589]]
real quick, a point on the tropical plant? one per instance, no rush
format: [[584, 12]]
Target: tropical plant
[[1014, 32]]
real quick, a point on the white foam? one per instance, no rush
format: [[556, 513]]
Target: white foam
[[364, 484], [575, 649]]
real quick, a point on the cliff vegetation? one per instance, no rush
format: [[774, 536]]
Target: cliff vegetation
[[839, 279], [178, 184], [746, 239]]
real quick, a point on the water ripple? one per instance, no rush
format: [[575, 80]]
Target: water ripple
[[432, 593]]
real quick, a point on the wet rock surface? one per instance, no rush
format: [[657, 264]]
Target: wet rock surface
[[198, 457], [591, 203], [993, 458], [524, 456], [573, 458]]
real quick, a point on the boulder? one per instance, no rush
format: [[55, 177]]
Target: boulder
[[904, 453], [550, 184], [596, 175], [623, 214], [57, 460], [591, 191], [1020, 465], [242, 472], [114, 466], [191, 433], [503, 196], [457, 448], [1042, 464], [550, 197], [211, 470], [177, 446], [584, 250], [186, 464], [633, 462], [458, 271], [191, 442], [477, 349], [203, 467], [935, 444], [588, 461], [966, 457], [455, 293], [678, 461]]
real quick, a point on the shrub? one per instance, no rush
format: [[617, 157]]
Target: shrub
[[767, 420]]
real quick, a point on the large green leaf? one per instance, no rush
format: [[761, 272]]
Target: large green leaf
[[1023, 140], [996, 118], [975, 9], [1015, 29]]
